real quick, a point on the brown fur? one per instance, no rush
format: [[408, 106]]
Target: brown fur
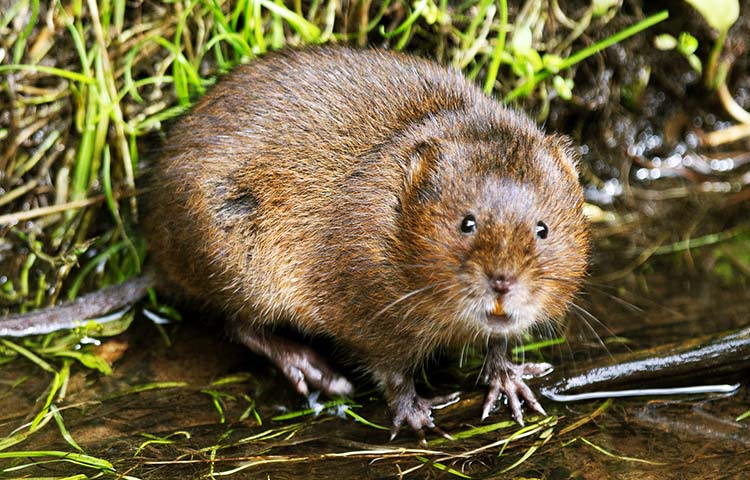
[[325, 188]]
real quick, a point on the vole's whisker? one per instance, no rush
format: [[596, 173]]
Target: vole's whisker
[[600, 289], [584, 315]]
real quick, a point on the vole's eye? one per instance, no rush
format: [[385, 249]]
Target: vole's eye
[[542, 230], [469, 224]]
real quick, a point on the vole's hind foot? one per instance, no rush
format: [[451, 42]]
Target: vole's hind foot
[[300, 364], [306, 369], [416, 411], [505, 377]]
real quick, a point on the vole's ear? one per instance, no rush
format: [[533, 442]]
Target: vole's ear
[[562, 151], [420, 166]]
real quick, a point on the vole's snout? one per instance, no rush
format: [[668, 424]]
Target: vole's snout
[[501, 283]]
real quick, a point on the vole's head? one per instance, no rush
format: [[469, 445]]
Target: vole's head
[[491, 231]]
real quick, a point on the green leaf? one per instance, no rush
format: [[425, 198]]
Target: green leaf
[[687, 44], [64, 431], [309, 31], [363, 420], [695, 62], [521, 41], [619, 457], [522, 67], [600, 7], [564, 87], [441, 466], [89, 360], [665, 42], [77, 458], [145, 387], [720, 14], [29, 355], [552, 62], [527, 64], [431, 13], [17, 438], [535, 60]]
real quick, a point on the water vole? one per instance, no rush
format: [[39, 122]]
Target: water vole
[[374, 198]]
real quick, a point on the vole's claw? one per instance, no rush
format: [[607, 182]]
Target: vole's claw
[[421, 437], [507, 378], [297, 378], [306, 369], [491, 399], [416, 411], [442, 433], [395, 429], [530, 369], [300, 364], [535, 405]]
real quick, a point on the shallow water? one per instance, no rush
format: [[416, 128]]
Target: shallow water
[[682, 437]]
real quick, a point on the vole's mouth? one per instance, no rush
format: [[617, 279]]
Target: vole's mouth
[[508, 315], [497, 316], [497, 320]]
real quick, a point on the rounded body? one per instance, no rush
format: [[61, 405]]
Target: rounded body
[[335, 190]]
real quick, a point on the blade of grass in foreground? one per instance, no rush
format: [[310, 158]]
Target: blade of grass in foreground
[[442, 467], [363, 420], [149, 386], [472, 432], [544, 437], [497, 53], [308, 31], [76, 77], [77, 458], [165, 440], [63, 430], [614, 455], [314, 410]]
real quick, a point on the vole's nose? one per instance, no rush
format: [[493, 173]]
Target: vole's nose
[[501, 283]]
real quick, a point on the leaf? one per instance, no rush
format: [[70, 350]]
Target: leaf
[[564, 87], [89, 360], [443, 467], [64, 431], [521, 41], [600, 7], [695, 63], [552, 62], [665, 41], [687, 44], [363, 420], [619, 457], [720, 14], [77, 458]]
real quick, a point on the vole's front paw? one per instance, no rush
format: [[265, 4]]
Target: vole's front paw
[[505, 377], [416, 411]]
